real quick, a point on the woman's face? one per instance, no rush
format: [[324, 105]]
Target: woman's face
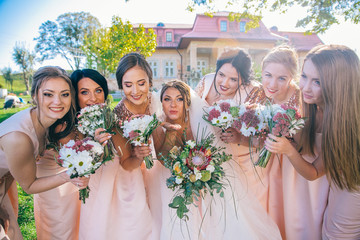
[[89, 93], [54, 99], [173, 104], [276, 79], [310, 84], [136, 85], [227, 80]]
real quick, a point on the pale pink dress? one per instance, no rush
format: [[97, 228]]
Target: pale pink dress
[[20, 122], [342, 215], [304, 201], [117, 206], [57, 211], [255, 179]]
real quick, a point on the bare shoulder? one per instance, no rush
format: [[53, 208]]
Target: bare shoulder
[[16, 143]]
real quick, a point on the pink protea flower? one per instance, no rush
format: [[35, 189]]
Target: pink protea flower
[[213, 114], [198, 159], [225, 107]]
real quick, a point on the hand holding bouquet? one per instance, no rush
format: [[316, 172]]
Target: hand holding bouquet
[[222, 114], [194, 167], [138, 130], [81, 158], [282, 121], [94, 117]]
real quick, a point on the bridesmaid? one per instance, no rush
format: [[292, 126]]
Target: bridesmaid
[[57, 211], [328, 144], [32, 129], [279, 73]]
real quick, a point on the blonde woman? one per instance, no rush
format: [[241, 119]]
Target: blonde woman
[[329, 144]]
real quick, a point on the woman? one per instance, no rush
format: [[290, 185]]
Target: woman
[[57, 211], [235, 214], [279, 73], [53, 94], [329, 142]]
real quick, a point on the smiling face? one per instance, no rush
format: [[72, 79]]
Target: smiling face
[[276, 79], [135, 84], [173, 105], [89, 93], [54, 99], [310, 84], [227, 80]]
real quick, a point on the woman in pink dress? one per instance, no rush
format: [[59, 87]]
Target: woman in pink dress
[[236, 214], [329, 143], [117, 206], [53, 95], [57, 211]]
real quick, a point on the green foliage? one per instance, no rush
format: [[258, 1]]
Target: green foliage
[[107, 46], [320, 14], [25, 59], [7, 76], [18, 83], [26, 218], [65, 37]]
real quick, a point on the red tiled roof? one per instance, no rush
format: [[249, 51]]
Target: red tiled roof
[[166, 25], [300, 41]]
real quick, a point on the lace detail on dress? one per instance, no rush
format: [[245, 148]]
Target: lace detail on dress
[[200, 87], [256, 95], [123, 113]]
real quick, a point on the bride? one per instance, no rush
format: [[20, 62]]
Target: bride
[[236, 214]]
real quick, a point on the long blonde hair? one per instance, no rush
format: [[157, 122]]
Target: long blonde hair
[[339, 71]]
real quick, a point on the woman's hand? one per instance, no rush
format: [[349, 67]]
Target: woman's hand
[[231, 136], [102, 136], [141, 151], [170, 126], [280, 145], [80, 182]]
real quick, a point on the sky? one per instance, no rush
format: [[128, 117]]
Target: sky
[[20, 21]]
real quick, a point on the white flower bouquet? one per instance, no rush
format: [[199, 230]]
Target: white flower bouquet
[[138, 130], [97, 116], [81, 158]]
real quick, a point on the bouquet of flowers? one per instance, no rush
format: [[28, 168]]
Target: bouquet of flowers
[[281, 121], [194, 167], [81, 158], [222, 114], [251, 121], [97, 116], [139, 129]]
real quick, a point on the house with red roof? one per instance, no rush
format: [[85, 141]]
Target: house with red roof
[[187, 51]]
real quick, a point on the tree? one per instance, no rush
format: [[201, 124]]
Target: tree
[[6, 71], [26, 60], [66, 36], [105, 47], [321, 14]]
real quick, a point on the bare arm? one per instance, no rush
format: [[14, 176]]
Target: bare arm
[[282, 145], [127, 157], [19, 152]]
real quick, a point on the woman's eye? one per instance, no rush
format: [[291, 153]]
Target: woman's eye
[[142, 84], [180, 99], [66, 94], [84, 92], [234, 79], [303, 76], [166, 99], [221, 74], [267, 75], [128, 85], [282, 79], [99, 90], [317, 82], [47, 94]]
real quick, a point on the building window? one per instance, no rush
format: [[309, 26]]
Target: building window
[[201, 67], [169, 69], [169, 36], [242, 26], [223, 26], [154, 67]]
